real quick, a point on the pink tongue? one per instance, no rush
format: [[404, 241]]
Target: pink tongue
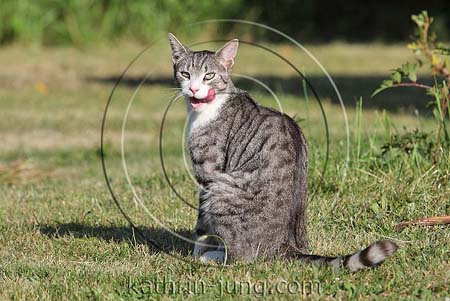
[[210, 97], [196, 105]]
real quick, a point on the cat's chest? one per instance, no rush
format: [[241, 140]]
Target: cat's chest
[[203, 118], [208, 149]]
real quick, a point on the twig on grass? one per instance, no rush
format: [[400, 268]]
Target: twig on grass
[[429, 221]]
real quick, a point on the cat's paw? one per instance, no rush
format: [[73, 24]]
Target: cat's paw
[[198, 250], [213, 256]]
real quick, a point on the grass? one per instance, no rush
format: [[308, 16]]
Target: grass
[[61, 236]]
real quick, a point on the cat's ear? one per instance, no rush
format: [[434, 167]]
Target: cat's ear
[[178, 49], [227, 53]]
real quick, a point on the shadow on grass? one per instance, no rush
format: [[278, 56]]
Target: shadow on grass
[[123, 234], [351, 88]]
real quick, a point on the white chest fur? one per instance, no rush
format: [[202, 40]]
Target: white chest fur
[[206, 114]]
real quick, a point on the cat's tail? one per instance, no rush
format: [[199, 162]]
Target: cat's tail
[[373, 255]]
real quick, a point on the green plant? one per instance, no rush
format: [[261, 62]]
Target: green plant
[[86, 22], [411, 142], [434, 56]]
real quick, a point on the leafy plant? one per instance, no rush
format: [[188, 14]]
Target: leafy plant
[[409, 142], [434, 56]]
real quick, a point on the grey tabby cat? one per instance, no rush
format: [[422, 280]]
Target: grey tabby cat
[[251, 166]]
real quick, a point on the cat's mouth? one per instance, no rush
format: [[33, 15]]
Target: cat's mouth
[[196, 103]]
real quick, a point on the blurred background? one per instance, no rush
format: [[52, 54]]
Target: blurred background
[[61, 59], [358, 42], [60, 233], [80, 23]]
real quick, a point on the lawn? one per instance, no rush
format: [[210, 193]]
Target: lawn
[[62, 237]]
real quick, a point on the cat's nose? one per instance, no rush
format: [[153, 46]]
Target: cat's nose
[[194, 90]]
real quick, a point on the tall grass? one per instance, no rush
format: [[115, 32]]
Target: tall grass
[[56, 22], [82, 22]]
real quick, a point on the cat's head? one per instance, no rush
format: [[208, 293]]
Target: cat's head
[[203, 75]]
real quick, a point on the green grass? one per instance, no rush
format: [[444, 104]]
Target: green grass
[[61, 237], [82, 23]]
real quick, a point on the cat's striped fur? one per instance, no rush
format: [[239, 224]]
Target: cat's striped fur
[[251, 166], [372, 256]]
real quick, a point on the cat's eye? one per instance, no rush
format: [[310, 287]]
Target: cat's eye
[[209, 76], [185, 74]]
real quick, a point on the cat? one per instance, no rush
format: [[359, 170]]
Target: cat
[[251, 166]]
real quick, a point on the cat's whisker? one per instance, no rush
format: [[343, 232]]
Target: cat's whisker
[[177, 97], [174, 93]]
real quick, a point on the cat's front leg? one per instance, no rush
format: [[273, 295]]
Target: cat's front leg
[[203, 242], [199, 246], [206, 250], [206, 247], [213, 256], [200, 229]]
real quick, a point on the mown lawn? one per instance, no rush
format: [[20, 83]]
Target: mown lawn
[[62, 237]]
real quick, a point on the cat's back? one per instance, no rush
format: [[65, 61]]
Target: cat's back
[[254, 131], [267, 121]]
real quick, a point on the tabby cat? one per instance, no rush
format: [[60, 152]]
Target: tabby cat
[[251, 166]]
